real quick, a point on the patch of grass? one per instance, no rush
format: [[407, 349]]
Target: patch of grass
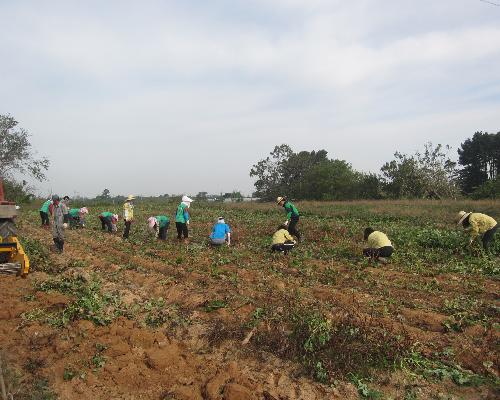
[[438, 370], [40, 390], [38, 255], [77, 263], [98, 360], [213, 305], [69, 373], [90, 303], [364, 391]]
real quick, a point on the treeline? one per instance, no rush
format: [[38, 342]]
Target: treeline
[[429, 173]]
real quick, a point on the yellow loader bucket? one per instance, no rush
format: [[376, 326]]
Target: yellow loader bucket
[[13, 260]]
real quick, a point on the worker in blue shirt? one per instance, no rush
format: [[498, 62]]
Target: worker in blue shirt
[[221, 233]]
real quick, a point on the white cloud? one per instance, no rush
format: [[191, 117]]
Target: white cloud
[[242, 77]]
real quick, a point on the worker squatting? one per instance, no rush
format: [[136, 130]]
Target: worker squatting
[[379, 247]]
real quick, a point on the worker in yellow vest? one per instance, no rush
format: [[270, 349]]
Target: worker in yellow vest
[[379, 246], [128, 215], [282, 240], [478, 224]]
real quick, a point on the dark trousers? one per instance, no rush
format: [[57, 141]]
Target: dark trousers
[[59, 243], [106, 223], [489, 236], [283, 247], [74, 221], [126, 231], [45, 218], [385, 251], [182, 230], [292, 227], [162, 233]]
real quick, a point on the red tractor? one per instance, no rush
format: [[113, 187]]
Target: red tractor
[[13, 260]]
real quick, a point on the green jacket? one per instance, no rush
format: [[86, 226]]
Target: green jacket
[[182, 214], [107, 214], [45, 206], [74, 212], [290, 210], [162, 221]]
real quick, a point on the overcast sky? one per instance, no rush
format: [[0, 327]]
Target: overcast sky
[[152, 97]]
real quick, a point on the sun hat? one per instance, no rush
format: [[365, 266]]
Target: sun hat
[[220, 220], [186, 199], [130, 197], [84, 210], [115, 216], [280, 199], [461, 216], [151, 222]]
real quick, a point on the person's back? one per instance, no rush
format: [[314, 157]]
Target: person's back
[[478, 224], [379, 247], [163, 220], [481, 223], [221, 233], [181, 213], [282, 240], [45, 206], [377, 240], [281, 236]]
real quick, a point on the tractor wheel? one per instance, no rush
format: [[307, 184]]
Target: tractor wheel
[[7, 228]]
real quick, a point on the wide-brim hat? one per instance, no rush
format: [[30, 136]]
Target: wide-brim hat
[[130, 197], [187, 199], [461, 216], [280, 199]]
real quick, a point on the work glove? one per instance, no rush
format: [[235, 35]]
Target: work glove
[[65, 225], [286, 222], [187, 222]]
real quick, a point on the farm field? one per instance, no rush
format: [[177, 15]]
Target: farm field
[[143, 319]]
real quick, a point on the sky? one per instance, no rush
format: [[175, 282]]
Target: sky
[[152, 97]]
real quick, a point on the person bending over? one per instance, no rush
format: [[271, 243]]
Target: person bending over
[[292, 215], [44, 212], [478, 224], [282, 240], [108, 220], [159, 226], [221, 233], [379, 246]]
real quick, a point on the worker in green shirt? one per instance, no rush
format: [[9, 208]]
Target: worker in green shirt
[[292, 215], [379, 246], [182, 217], [44, 212], [77, 217], [108, 220], [159, 225]]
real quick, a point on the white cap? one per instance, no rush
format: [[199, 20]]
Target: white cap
[[186, 199]]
